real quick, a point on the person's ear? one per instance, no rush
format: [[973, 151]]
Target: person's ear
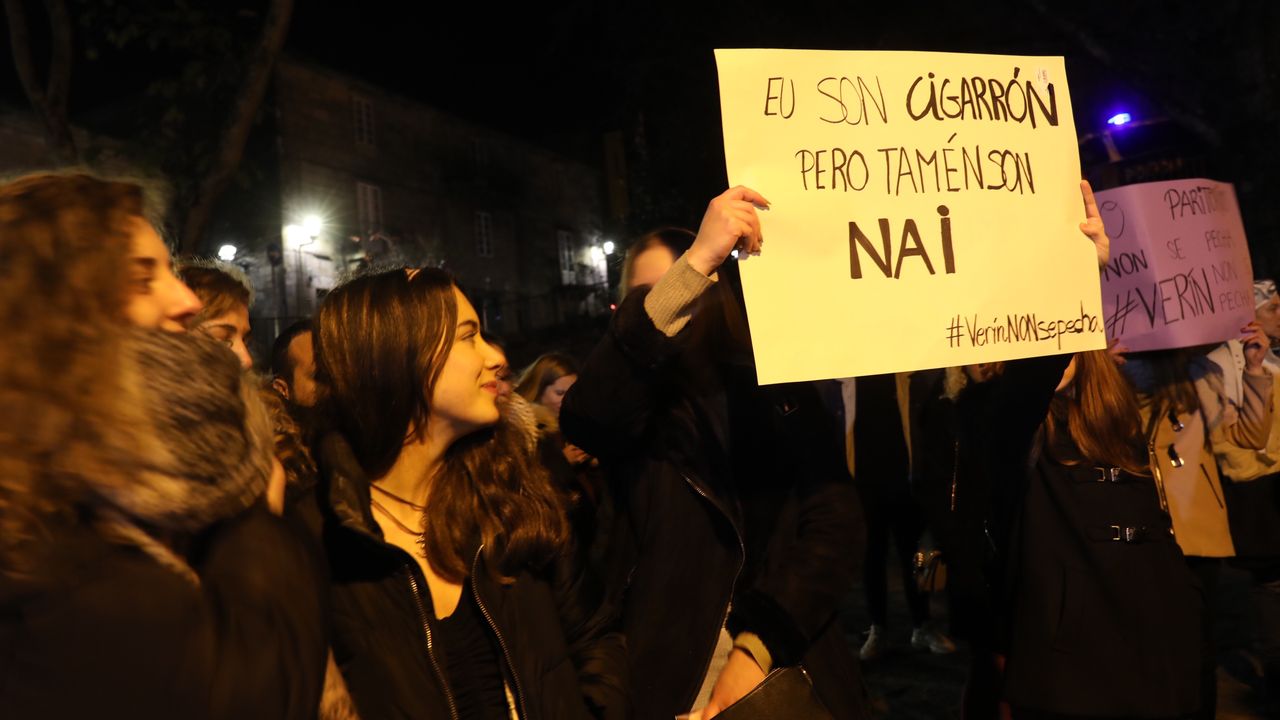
[[280, 386]]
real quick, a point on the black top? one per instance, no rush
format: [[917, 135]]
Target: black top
[[472, 661]]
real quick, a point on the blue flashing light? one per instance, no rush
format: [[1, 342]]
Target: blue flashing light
[[1119, 119]]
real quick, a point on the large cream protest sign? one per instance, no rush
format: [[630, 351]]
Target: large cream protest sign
[[1179, 273], [925, 210]]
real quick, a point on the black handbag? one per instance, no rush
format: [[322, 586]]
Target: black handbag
[[784, 693]]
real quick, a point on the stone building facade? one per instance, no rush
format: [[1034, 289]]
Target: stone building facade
[[367, 177]]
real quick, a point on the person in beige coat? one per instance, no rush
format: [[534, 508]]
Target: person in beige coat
[[1241, 395], [1180, 407]]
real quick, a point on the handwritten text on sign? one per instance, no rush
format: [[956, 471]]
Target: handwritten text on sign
[[1179, 273], [925, 210]]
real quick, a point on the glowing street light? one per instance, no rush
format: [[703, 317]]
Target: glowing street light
[[294, 236], [1119, 119], [609, 247], [227, 253], [312, 225], [300, 234]]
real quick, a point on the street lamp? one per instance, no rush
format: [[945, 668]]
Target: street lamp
[[1119, 119], [227, 253], [312, 225], [298, 236], [609, 247]]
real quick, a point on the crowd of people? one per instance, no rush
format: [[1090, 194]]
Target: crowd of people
[[389, 522]]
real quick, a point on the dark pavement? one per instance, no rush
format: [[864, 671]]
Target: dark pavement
[[910, 684]]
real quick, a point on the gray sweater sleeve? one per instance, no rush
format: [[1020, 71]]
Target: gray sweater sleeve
[[670, 303]]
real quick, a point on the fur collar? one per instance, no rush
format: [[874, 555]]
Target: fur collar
[[191, 443]]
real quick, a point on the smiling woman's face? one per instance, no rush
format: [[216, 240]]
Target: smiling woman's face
[[157, 298], [465, 396]]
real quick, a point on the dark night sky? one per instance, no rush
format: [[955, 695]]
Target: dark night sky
[[582, 66], [558, 69], [561, 73]]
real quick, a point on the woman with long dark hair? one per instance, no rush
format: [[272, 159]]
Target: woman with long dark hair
[[547, 379], [1099, 614], [453, 588], [140, 574]]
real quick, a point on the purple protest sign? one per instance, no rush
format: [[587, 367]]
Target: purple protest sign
[[1179, 273]]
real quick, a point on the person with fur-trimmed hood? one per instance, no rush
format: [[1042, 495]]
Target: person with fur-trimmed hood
[[140, 573]]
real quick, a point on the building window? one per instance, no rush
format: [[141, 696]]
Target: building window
[[565, 242], [362, 117], [368, 207], [484, 234], [565, 251]]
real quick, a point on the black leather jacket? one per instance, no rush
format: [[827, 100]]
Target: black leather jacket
[[560, 661], [736, 510]]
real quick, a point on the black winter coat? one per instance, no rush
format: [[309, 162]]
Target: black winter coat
[[560, 661], [954, 491], [107, 632], [1102, 615], [735, 509]]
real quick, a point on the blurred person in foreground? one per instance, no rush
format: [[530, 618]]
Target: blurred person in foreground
[[140, 574]]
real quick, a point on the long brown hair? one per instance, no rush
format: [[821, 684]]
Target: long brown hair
[[1101, 414], [1172, 387], [64, 249], [542, 372], [381, 341], [220, 286]]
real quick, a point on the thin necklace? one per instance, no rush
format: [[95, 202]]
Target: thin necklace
[[397, 498], [407, 530]]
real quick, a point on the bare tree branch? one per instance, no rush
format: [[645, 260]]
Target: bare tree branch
[[59, 86], [235, 134], [1129, 68], [51, 110]]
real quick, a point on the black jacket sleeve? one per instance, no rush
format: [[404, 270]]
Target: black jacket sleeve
[[808, 570], [596, 646], [611, 405], [264, 591]]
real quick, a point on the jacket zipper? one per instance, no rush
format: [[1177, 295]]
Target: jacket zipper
[[1157, 474], [426, 630], [506, 654], [955, 474], [742, 558]]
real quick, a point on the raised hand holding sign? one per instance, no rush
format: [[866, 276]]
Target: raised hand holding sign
[[926, 210]]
